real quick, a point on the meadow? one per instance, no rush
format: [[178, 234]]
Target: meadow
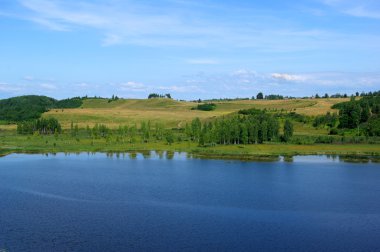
[[174, 115]]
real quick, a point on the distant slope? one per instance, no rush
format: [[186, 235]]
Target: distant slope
[[30, 107], [24, 107], [159, 103], [174, 113]]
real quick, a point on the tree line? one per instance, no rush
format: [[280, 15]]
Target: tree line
[[246, 128], [363, 115], [155, 95], [42, 126]]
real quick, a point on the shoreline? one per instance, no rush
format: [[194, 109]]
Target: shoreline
[[268, 151], [210, 153]]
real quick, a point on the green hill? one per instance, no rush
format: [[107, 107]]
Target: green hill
[[28, 107], [24, 107]]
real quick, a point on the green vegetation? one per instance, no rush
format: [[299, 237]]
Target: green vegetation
[[250, 129], [75, 102], [205, 107], [24, 107], [234, 127], [361, 116], [42, 126], [30, 107], [274, 97], [154, 95]]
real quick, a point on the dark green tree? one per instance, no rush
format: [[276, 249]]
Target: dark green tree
[[288, 130]]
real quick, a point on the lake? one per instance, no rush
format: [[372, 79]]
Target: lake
[[152, 202]]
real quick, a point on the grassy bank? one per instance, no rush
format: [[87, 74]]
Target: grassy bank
[[12, 143]]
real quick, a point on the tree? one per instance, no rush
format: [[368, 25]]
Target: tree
[[260, 96], [169, 137], [244, 133], [365, 114], [326, 95], [263, 132], [288, 130], [168, 96], [196, 127], [159, 131], [317, 96]]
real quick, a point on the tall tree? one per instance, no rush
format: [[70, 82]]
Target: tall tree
[[260, 96], [288, 130]]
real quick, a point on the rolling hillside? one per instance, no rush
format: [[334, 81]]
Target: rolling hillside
[[175, 113]]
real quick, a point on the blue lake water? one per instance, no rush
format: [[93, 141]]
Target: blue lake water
[[134, 203]]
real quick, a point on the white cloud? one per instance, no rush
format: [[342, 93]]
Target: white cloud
[[133, 86], [138, 23], [32, 78], [288, 77], [181, 89], [29, 78], [5, 87]]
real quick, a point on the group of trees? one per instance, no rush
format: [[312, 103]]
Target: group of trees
[[146, 132], [260, 96], [154, 95], [247, 128], [74, 102], [274, 97], [330, 120], [205, 107], [42, 126], [113, 98], [361, 114]]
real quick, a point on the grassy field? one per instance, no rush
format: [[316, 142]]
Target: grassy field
[[174, 114]]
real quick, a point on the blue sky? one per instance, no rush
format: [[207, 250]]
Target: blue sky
[[191, 49]]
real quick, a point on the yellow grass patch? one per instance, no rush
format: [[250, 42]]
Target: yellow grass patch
[[175, 113]]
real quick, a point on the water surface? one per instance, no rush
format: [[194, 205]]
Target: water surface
[[99, 202]]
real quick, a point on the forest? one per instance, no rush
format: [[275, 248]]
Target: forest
[[31, 107]]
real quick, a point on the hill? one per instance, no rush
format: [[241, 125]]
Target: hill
[[175, 114], [23, 108]]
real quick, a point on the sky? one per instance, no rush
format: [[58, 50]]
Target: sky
[[190, 49]]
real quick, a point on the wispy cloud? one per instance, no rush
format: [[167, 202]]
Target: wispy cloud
[[5, 87], [133, 86], [181, 89], [248, 82], [288, 77], [362, 8], [132, 22]]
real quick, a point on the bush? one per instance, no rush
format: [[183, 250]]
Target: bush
[[334, 131], [205, 107]]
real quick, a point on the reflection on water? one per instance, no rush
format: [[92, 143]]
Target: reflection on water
[[169, 155]]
